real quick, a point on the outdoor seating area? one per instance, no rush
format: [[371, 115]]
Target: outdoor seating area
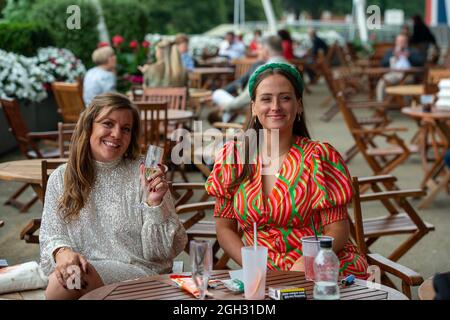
[[124, 174]]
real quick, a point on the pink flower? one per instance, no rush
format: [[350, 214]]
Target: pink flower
[[102, 44], [133, 44], [145, 44], [117, 40]]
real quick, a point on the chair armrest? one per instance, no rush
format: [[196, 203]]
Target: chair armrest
[[378, 130], [366, 104], [392, 194], [406, 274], [380, 178], [188, 185], [44, 135], [226, 125], [197, 206]]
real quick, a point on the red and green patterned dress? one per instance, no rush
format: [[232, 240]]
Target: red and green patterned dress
[[312, 186]]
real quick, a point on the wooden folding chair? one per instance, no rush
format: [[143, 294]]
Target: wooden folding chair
[[361, 229], [241, 66], [176, 97], [27, 142], [195, 225], [65, 132], [28, 232], [402, 218], [382, 160], [69, 98]]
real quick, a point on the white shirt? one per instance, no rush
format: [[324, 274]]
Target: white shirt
[[97, 81], [234, 51]]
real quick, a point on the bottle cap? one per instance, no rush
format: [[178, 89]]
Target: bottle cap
[[326, 243]]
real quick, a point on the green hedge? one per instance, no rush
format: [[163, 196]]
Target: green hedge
[[24, 38], [128, 18], [80, 41]]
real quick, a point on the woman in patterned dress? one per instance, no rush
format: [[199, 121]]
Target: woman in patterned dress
[[310, 185]]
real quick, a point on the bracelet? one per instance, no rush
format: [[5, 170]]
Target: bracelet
[[59, 250]]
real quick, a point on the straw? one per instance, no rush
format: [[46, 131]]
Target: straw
[[255, 236], [314, 228]]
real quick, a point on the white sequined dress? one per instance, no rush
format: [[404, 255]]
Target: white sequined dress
[[120, 240]]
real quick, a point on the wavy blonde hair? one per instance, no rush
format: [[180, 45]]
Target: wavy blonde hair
[[79, 176]]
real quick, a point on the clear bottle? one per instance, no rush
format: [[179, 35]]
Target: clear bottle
[[326, 272]]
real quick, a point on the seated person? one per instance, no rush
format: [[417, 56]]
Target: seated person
[[255, 44], [168, 70], [182, 42], [231, 47], [287, 43], [400, 57], [101, 78], [91, 216], [271, 51], [311, 59], [306, 187]]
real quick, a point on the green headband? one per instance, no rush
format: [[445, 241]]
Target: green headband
[[276, 65]]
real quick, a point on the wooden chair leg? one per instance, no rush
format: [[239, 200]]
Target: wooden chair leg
[[22, 206]]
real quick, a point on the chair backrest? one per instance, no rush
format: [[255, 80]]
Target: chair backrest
[[47, 168], [154, 122], [176, 97], [69, 99], [379, 50], [17, 125], [65, 132], [433, 76], [242, 65]]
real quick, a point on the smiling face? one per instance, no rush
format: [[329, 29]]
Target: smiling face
[[276, 104], [111, 135]]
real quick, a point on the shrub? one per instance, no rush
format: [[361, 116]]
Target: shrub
[[80, 41], [129, 18], [24, 38]]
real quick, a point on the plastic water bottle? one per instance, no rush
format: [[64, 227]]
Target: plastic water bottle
[[326, 272]]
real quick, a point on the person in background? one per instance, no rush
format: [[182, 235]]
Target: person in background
[[101, 78], [255, 44], [317, 45], [400, 57], [287, 184], [182, 42], [168, 70], [231, 47], [286, 42], [271, 51], [422, 38], [91, 218]]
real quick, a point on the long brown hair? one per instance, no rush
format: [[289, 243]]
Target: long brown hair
[[299, 128], [80, 174]]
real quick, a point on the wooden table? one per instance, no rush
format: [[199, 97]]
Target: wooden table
[[375, 73], [198, 98], [176, 115], [162, 288], [28, 171], [408, 90], [432, 125], [210, 78]]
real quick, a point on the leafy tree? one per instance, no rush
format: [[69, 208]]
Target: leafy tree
[[16, 10]]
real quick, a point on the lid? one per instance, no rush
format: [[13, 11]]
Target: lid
[[326, 243]]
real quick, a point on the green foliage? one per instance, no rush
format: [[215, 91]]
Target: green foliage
[[53, 15], [16, 10], [129, 18], [24, 38]]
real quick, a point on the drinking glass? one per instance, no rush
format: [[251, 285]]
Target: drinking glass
[[201, 264], [153, 157]]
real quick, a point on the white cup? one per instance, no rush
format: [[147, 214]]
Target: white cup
[[254, 265]]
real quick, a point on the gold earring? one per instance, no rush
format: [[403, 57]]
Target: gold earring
[[299, 116]]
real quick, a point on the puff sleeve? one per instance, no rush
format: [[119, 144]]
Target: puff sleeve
[[226, 169], [331, 188]]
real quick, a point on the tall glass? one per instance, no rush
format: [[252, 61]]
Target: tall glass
[[153, 157], [201, 264], [310, 248]]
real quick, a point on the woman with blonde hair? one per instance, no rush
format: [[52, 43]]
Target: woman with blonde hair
[[168, 70], [91, 223]]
